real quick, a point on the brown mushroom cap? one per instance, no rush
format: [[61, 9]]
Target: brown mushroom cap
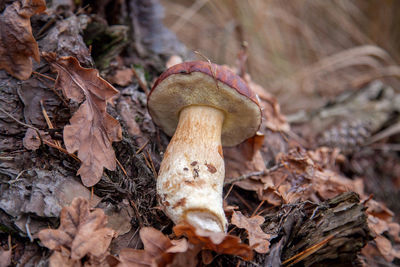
[[202, 83]]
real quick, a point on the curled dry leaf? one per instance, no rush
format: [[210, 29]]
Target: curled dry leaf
[[219, 242], [31, 140], [258, 240], [159, 250], [81, 233], [17, 44], [92, 130]]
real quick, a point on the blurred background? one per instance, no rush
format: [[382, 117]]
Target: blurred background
[[318, 58], [305, 52]]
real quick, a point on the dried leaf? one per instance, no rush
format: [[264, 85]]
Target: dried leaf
[[81, 232], [60, 259], [258, 240], [31, 140], [92, 129], [17, 44], [219, 242], [159, 250], [384, 247], [274, 119], [122, 77], [130, 257]]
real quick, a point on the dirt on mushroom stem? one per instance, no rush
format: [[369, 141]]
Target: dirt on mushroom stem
[[191, 176]]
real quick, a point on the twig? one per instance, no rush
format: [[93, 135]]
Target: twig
[[45, 27], [142, 147], [44, 76], [61, 149], [137, 212], [23, 124], [258, 207], [304, 254], [242, 200], [20, 122], [248, 175], [122, 167], [152, 164], [48, 121], [52, 87], [229, 191], [147, 161]]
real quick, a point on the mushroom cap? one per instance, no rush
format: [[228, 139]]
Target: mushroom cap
[[203, 83]]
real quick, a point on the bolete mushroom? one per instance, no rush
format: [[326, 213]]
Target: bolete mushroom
[[203, 106]]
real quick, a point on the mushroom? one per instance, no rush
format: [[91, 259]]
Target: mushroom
[[204, 106]]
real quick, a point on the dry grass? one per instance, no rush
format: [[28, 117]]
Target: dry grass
[[308, 50]]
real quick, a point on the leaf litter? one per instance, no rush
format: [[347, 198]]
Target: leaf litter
[[258, 240], [92, 130], [299, 175], [17, 44], [81, 233]]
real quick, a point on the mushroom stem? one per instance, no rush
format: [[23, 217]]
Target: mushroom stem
[[191, 176]]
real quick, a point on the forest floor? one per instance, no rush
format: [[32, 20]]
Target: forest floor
[[79, 155]]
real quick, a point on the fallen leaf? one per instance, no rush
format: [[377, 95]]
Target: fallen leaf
[[274, 119], [31, 140], [159, 250], [384, 247], [92, 129], [219, 242], [122, 77], [81, 232], [379, 210], [258, 240], [394, 231], [17, 44], [60, 259]]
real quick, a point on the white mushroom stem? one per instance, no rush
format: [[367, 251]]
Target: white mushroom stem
[[191, 176]]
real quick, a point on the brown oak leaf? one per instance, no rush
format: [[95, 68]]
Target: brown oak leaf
[[17, 44], [258, 240], [92, 130], [219, 242], [81, 233], [159, 250]]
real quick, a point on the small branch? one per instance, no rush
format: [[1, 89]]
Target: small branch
[[304, 254], [44, 76], [20, 122], [152, 164], [48, 121], [61, 149], [122, 167], [248, 175], [142, 147]]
